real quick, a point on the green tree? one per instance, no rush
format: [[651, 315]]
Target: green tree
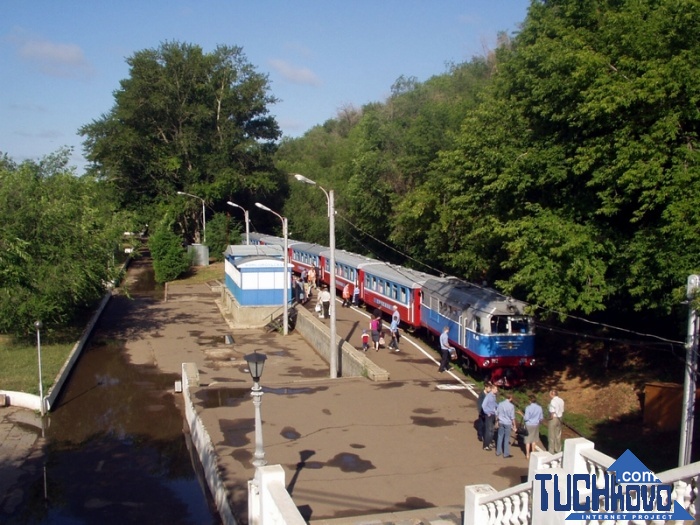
[[170, 258], [58, 236], [185, 120], [583, 160]]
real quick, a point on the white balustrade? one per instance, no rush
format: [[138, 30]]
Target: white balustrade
[[514, 506]]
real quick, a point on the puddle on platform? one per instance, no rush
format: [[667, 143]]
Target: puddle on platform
[[222, 397], [431, 422], [116, 452], [290, 433], [347, 462], [288, 391]]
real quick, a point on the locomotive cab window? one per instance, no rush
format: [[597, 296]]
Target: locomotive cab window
[[499, 324], [519, 325]]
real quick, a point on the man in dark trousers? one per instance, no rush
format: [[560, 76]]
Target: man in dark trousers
[[445, 350], [480, 411], [489, 407]]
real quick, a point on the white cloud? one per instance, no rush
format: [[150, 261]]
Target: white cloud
[[51, 58], [294, 74]]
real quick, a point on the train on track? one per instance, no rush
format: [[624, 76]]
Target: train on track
[[491, 331]]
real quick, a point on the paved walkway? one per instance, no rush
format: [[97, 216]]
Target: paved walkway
[[21, 452], [353, 450]]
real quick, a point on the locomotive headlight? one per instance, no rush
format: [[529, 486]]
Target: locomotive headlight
[[487, 362], [532, 362]]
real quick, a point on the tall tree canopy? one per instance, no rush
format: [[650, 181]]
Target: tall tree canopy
[[583, 160], [564, 166], [58, 236], [188, 121]]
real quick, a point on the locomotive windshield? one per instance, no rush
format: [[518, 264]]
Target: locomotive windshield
[[507, 324]]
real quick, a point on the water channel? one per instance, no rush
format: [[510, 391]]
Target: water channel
[[116, 449]]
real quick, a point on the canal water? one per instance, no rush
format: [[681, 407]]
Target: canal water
[[117, 451]]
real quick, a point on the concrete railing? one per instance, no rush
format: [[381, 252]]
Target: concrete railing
[[204, 447], [269, 503], [32, 401], [522, 504]]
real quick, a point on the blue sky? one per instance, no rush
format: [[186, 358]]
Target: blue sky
[[61, 61]]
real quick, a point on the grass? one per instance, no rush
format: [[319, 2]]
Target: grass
[[20, 365], [201, 274]]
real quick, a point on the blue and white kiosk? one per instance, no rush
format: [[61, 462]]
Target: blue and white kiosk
[[254, 283]]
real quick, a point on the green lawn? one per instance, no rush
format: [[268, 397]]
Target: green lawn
[[20, 365]]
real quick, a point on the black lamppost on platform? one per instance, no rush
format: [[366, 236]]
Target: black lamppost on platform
[[256, 362]]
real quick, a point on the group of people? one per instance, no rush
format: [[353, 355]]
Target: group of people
[[498, 419], [375, 333], [304, 285]]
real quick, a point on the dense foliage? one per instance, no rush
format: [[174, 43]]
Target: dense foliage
[[186, 120], [170, 258], [563, 166], [58, 237]]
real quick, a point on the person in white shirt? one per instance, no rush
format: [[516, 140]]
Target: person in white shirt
[[556, 411]]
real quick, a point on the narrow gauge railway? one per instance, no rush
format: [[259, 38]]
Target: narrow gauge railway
[[492, 333]]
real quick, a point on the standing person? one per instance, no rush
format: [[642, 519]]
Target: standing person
[[325, 298], [374, 330], [307, 291], [356, 294], [445, 350], [505, 412], [304, 275], [480, 411], [396, 315], [347, 294], [378, 314], [394, 329], [533, 416], [311, 277], [489, 407], [556, 411], [299, 290]]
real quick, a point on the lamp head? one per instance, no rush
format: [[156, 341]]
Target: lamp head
[[180, 192], [301, 178], [256, 362], [262, 206], [38, 325], [234, 204]]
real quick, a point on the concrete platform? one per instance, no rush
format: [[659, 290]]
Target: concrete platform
[[353, 450]]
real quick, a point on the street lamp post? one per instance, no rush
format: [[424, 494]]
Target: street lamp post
[[256, 362], [204, 217], [330, 197], [38, 326], [285, 299], [685, 449], [247, 221]]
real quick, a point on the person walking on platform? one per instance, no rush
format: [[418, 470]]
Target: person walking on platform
[[347, 295], [374, 330], [325, 298], [394, 329]]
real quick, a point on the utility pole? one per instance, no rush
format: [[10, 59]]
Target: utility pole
[[691, 365]]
